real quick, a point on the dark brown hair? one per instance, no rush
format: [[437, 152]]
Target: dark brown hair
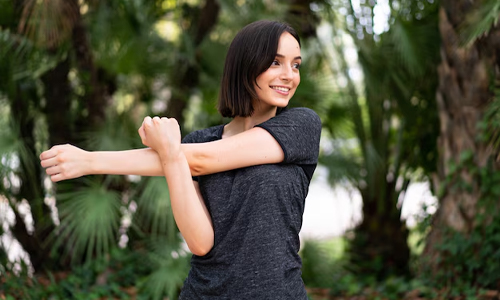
[[251, 53]]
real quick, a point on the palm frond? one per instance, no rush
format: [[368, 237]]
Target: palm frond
[[119, 32], [490, 125], [337, 120], [90, 218], [479, 21], [154, 211], [119, 132], [170, 266], [48, 22], [407, 40], [341, 165], [20, 59]]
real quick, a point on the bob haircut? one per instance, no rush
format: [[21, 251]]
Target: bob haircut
[[251, 53]]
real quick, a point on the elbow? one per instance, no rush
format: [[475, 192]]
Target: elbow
[[196, 169], [201, 245], [197, 165], [201, 250], [199, 159]]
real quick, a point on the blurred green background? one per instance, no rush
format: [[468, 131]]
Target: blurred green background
[[408, 91]]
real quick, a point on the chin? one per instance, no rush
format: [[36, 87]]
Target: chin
[[282, 104]]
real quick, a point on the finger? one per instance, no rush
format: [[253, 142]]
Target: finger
[[156, 119], [57, 178], [52, 152], [46, 163], [174, 121], [147, 121], [53, 170], [141, 132]]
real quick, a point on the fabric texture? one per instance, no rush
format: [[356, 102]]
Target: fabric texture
[[257, 215]]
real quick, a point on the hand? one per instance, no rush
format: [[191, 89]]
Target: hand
[[162, 135], [65, 162]]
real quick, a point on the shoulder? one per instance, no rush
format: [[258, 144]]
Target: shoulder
[[302, 114], [204, 135], [295, 117], [298, 131]]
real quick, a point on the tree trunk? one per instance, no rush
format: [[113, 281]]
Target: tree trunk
[[57, 93], [188, 79], [379, 246], [99, 88], [464, 91]]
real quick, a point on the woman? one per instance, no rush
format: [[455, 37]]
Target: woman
[[237, 190]]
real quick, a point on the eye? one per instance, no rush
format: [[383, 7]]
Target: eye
[[275, 63], [296, 66]]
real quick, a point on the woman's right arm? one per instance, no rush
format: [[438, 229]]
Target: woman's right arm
[[67, 161]]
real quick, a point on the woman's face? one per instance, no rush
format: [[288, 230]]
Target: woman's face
[[276, 86]]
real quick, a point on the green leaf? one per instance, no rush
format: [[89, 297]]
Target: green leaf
[[479, 21], [154, 211], [90, 218], [170, 267]]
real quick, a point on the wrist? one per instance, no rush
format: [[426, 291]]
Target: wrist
[[92, 166], [168, 158]]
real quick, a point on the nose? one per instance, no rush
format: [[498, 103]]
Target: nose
[[286, 73]]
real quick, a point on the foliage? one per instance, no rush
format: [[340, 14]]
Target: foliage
[[86, 73], [319, 261], [392, 119], [383, 129], [489, 126], [120, 276], [325, 273], [479, 21], [465, 257]]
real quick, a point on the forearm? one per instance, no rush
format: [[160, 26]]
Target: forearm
[[201, 159], [189, 209], [143, 162]]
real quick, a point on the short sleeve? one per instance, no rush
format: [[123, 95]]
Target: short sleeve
[[190, 138], [298, 132]]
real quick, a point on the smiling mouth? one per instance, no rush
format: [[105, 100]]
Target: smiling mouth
[[281, 89]]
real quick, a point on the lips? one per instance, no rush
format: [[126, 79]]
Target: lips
[[281, 89]]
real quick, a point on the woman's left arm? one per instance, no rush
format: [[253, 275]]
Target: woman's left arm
[[263, 144], [252, 147]]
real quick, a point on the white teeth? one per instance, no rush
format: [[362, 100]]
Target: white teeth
[[281, 88]]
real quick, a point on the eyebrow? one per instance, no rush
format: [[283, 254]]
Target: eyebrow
[[282, 56]]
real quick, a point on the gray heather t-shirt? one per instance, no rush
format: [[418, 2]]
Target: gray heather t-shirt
[[257, 215]]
